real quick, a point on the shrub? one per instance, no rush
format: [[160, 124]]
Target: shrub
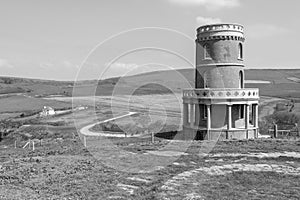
[[281, 107]]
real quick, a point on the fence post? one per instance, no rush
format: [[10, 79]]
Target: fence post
[[297, 130], [152, 137], [275, 131], [33, 145], [84, 141], [15, 144]]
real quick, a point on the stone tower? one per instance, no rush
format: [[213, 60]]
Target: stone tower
[[220, 107]]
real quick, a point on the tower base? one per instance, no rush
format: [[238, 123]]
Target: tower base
[[215, 134]]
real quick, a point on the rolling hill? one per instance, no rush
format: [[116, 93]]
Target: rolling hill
[[283, 83]]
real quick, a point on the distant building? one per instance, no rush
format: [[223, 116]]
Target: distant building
[[47, 111], [219, 107]]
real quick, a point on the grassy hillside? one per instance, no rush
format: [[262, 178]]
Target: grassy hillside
[[283, 83], [34, 86], [280, 83]]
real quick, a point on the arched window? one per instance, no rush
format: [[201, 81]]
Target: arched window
[[205, 80], [204, 111], [206, 51], [241, 79], [240, 51]]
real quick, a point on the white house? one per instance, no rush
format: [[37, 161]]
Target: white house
[[47, 110]]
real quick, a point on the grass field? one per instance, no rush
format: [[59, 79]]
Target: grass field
[[66, 170], [20, 103]]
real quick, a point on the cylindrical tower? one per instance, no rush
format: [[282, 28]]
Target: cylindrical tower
[[220, 106], [219, 56]]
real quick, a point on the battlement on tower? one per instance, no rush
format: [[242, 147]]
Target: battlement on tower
[[220, 32]]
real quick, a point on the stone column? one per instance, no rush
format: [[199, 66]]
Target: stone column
[[197, 115], [208, 111], [192, 114], [256, 115], [229, 117], [208, 120], [256, 119], [253, 114], [247, 116], [185, 114]]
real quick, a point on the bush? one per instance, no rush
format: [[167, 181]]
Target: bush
[[285, 120], [281, 107], [288, 118]]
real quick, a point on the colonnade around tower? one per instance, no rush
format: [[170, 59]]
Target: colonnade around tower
[[244, 99]]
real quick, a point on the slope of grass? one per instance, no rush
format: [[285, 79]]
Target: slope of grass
[[157, 82], [22, 103]]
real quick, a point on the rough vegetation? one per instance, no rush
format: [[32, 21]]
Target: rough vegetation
[[64, 169], [283, 116]]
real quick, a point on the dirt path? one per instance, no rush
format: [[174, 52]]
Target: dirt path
[[86, 130]]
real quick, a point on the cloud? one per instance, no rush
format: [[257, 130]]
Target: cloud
[[207, 20], [259, 31], [69, 64], [58, 65], [5, 64], [208, 4], [122, 66], [46, 65]]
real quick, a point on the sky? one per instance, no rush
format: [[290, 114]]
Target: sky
[[95, 39]]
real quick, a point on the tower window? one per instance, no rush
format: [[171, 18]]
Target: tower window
[[206, 51], [204, 111], [241, 79], [240, 51]]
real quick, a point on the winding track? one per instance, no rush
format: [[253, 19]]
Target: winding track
[[86, 130]]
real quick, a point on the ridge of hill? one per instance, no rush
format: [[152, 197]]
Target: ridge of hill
[[283, 83]]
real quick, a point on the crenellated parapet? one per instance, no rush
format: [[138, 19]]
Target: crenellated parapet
[[221, 27], [220, 32]]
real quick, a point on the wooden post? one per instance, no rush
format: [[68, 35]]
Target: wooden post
[[15, 144], [152, 137], [84, 141], [33, 145], [297, 130], [275, 130]]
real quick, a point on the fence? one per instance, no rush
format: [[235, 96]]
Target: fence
[[275, 133]]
